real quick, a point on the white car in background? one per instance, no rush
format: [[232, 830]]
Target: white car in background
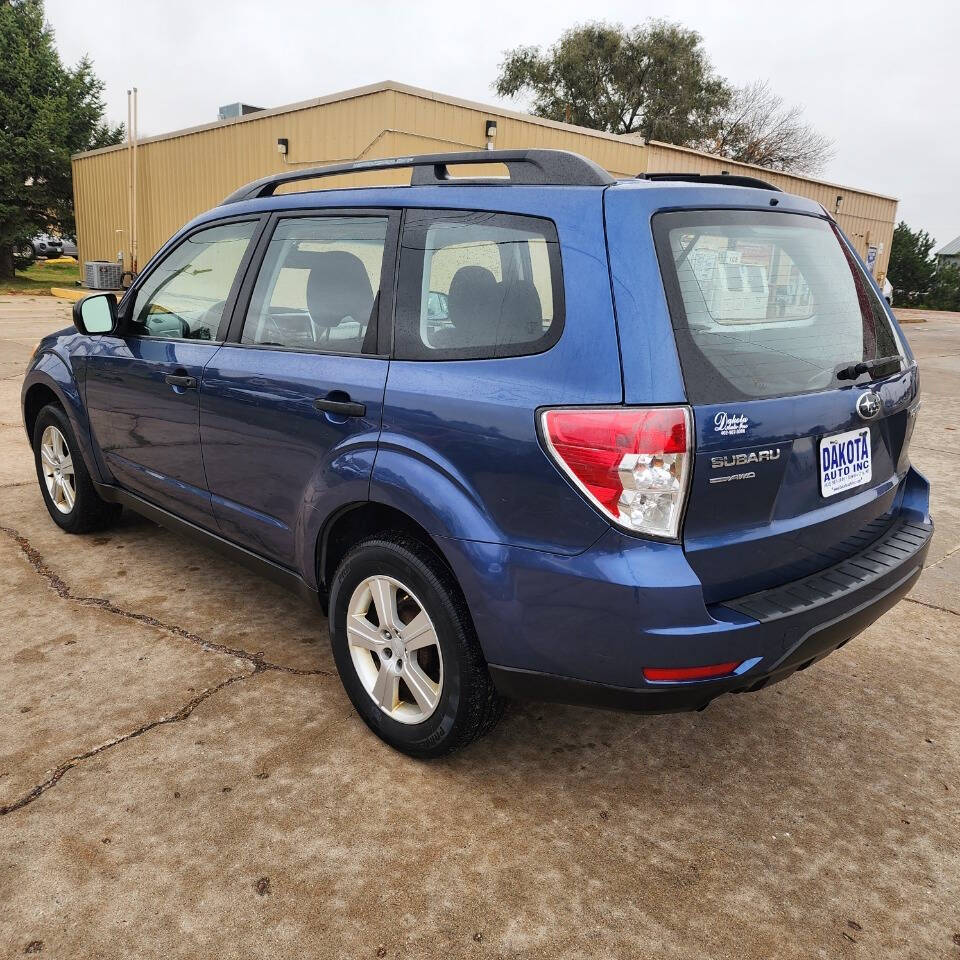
[[43, 245]]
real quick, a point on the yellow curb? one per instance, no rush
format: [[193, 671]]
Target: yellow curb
[[67, 293], [70, 260], [78, 293]]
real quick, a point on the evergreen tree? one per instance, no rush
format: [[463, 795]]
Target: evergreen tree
[[47, 112], [912, 269]]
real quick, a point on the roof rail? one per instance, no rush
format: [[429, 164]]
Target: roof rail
[[539, 167], [730, 180]]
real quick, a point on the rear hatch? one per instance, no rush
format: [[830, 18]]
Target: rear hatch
[[800, 434]]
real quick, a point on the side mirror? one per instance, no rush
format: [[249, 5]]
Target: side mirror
[[96, 314]]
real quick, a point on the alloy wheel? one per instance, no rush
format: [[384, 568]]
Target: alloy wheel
[[394, 648], [57, 465]]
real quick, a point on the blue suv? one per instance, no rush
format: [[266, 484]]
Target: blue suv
[[626, 443]]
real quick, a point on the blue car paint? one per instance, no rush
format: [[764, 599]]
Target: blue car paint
[[739, 543], [625, 603], [57, 366], [147, 431], [551, 586], [277, 468], [465, 430]]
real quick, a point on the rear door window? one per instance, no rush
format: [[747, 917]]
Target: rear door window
[[766, 304], [317, 288], [477, 285]]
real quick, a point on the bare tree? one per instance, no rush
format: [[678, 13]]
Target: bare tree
[[758, 127]]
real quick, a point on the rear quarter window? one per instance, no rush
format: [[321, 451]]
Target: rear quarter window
[[765, 304], [477, 285]]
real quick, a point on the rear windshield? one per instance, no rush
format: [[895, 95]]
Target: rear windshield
[[766, 304]]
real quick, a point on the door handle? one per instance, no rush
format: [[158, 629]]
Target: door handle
[[342, 408], [181, 380]]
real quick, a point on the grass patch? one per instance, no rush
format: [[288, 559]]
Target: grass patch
[[41, 276]]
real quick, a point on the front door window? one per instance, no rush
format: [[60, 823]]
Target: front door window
[[185, 296]]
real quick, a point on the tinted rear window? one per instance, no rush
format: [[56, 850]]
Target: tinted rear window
[[765, 304]]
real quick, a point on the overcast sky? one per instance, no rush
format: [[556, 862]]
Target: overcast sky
[[880, 78]]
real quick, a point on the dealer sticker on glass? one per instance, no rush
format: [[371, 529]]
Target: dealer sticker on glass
[[845, 461]]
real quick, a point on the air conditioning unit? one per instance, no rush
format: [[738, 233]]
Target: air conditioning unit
[[102, 275]]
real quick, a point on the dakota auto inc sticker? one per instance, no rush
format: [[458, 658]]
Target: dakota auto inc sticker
[[730, 424]]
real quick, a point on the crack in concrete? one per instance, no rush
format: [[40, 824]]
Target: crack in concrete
[[946, 556], [63, 768], [932, 606], [937, 450], [57, 584], [256, 660]]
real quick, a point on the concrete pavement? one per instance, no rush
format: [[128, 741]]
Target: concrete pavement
[[182, 775]]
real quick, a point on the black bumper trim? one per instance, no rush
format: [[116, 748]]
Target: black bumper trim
[[895, 548]]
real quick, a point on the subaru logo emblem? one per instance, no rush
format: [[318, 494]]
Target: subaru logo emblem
[[868, 405]]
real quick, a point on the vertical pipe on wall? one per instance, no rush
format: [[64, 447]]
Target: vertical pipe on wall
[[133, 240], [129, 264]]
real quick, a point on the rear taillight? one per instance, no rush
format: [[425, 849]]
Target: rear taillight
[[631, 462]]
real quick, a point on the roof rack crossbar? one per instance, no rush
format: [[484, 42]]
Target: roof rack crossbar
[[538, 167], [728, 179]]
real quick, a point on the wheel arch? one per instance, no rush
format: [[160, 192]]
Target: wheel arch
[[37, 396], [52, 381], [354, 521]]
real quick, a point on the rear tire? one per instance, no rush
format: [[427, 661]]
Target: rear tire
[[68, 491], [423, 687]]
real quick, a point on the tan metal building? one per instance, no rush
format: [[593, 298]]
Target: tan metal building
[[183, 173]]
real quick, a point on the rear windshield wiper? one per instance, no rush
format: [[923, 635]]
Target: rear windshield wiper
[[866, 366]]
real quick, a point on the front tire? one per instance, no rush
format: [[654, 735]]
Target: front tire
[[23, 257], [65, 484], [406, 649]]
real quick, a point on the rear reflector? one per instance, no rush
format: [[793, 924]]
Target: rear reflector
[[679, 674], [631, 462]]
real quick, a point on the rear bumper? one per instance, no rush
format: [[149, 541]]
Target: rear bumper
[[812, 630], [585, 629]]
